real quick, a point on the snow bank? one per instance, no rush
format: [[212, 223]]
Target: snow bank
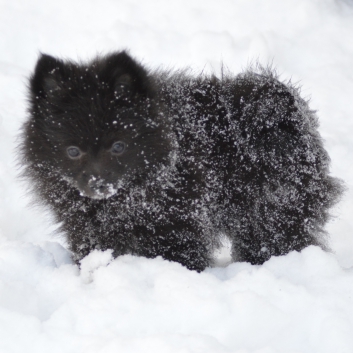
[[297, 303]]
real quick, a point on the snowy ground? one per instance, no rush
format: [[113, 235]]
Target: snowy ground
[[299, 303]]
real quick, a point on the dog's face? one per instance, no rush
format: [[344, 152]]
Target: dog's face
[[95, 125]]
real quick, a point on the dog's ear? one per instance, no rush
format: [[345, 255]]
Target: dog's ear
[[48, 76], [125, 75], [123, 85]]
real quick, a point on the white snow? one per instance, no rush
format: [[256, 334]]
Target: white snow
[[299, 303]]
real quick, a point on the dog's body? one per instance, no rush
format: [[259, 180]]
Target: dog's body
[[161, 164]]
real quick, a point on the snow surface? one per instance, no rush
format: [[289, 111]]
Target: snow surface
[[298, 303]]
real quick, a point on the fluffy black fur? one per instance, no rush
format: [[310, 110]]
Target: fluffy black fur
[[162, 163]]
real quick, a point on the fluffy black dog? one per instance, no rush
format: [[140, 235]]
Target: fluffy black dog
[[160, 163]]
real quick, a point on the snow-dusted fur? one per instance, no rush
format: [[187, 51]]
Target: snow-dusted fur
[[237, 155]]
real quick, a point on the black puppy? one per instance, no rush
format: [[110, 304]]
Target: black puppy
[[160, 163]]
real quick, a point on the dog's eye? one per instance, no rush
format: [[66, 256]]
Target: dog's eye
[[118, 148], [73, 152]]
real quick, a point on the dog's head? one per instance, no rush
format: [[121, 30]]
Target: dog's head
[[97, 125]]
